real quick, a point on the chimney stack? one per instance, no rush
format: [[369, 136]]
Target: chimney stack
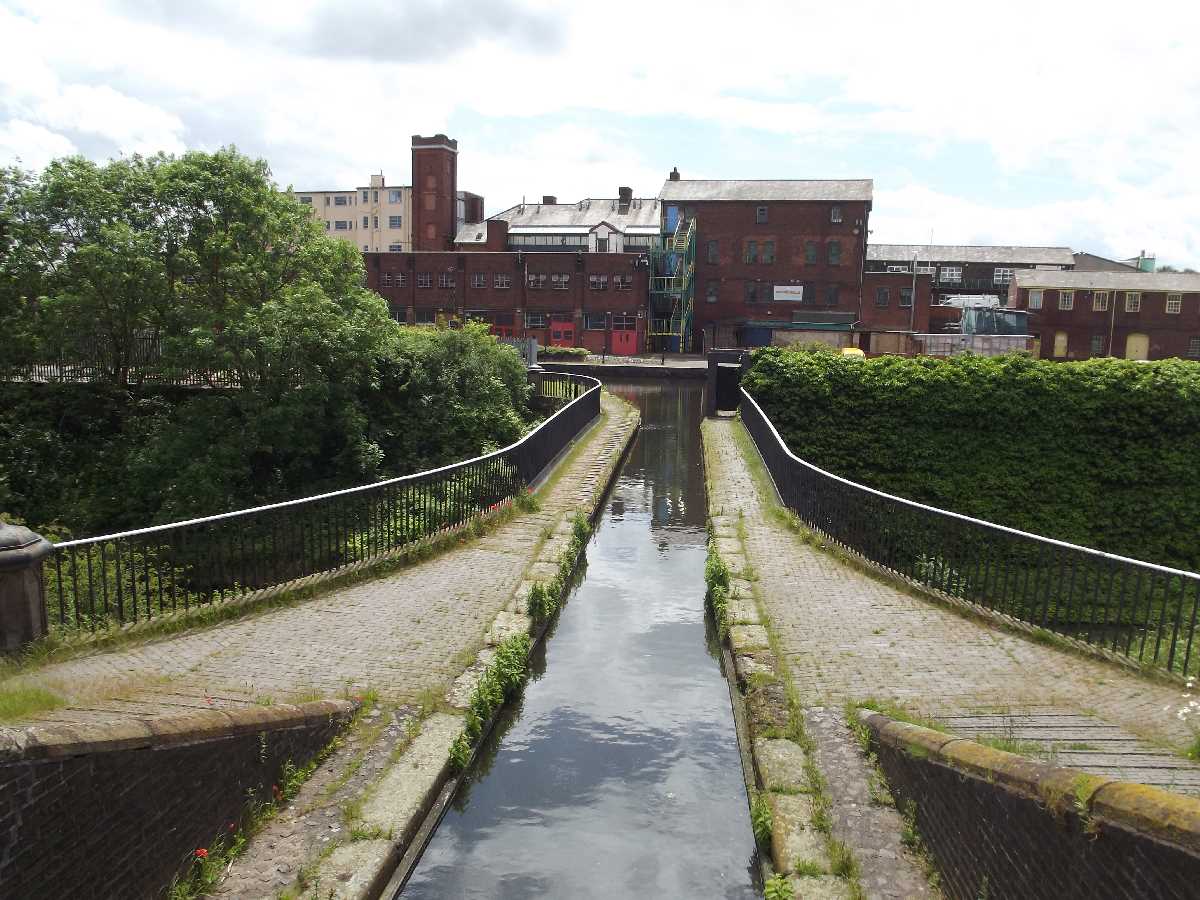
[[549, 200], [674, 176], [626, 197]]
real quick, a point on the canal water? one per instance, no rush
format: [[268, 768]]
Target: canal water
[[617, 772]]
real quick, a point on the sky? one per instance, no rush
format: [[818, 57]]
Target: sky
[[1048, 123]]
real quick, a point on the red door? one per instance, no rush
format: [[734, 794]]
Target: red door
[[624, 343], [562, 334], [504, 331]]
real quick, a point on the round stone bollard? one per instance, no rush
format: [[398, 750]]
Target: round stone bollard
[[22, 599]]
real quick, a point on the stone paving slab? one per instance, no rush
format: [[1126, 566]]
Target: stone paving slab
[[848, 636], [406, 635]]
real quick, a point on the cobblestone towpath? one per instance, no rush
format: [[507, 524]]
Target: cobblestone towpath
[[847, 636], [404, 635]]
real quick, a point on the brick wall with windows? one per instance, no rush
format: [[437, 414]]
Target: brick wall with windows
[[886, 305], [745, 248], [518, 294], [1079, 323]]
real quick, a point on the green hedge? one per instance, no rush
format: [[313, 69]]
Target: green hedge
[[1103, 453]]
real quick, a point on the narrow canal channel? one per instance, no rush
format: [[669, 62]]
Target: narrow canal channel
[[617, 773]]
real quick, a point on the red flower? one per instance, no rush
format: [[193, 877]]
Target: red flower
[[201, 853]]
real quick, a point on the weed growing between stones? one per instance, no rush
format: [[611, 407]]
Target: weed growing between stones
[[546, 599], [499, 681], [778, 888], [761, 820], [716, 580], [807, 868], [209, 863]]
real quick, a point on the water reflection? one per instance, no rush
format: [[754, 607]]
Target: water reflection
[[617, 774]]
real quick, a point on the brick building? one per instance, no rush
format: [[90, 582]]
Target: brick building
[[774, 261], [1136, 315], [380, 218]]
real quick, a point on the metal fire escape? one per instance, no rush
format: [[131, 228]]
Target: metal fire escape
[[672, 288]]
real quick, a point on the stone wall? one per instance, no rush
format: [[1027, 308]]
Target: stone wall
[[117, 810], [1001, 825]]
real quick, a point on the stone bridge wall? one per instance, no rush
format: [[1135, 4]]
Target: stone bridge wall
[[1000, 825], [118, 810]]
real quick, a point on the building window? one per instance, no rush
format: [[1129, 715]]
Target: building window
[[1060, 344], [835, 253], [624, 323], [560, 281], [366, 196], [375, 223], [393, 196], [598, 282], [750, 252], [810, 253], [710, 292], [445, 279], [424, 280], [394, 221], [326, 201], [536, 281], [1099, 301], [366, 221], [1174, 304], [831, 295], [950, 274], [424, 316], [341, 225], [622, 283], [307, 200], [601, 245], [1002, 276], [1193, 350], [339, 201], [1066, 299], [401, 279], [752, 291], [712, 252], [535, 320], [479, 279], [835, 214], [594, 321], [374, 196], [906, 297], [1133, 301], [395, 248], [881, 297], [768, 252], [1097, 345], [387, 279], [760, 215], [366, 248], [1035, 299], [502, 282]]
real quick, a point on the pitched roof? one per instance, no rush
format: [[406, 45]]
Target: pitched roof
[[586, 214], [694, 190], [1090, 262], [972, 253], [471, 233], [1119, 281]]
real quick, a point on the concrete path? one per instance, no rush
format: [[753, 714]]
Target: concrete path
[[847, 636], [405, 635]]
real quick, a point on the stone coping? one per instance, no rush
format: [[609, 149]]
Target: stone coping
[[57, 741], [1165, 816]]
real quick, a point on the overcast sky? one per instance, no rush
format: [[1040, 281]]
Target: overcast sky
[[1024, 123]]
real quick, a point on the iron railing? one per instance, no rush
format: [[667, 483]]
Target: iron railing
[[1135, 609], [117, 579]]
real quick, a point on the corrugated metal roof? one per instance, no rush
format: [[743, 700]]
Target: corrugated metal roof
[[695, 190], [586, 214], [1118, 281], [1002, 254], [548, 229]]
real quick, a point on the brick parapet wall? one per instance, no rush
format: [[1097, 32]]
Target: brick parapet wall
[[117, 810], [1001, 825]]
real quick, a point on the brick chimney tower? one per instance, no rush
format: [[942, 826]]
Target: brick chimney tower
[[434, 191]]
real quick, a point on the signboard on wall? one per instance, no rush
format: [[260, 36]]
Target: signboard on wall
[[789, 293]]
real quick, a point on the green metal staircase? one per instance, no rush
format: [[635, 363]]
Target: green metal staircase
[[672, 288]]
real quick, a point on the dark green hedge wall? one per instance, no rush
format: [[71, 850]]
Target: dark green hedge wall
[[1104, 453]]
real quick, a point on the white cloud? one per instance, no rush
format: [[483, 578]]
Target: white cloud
[[1098, 93], [31, 145]]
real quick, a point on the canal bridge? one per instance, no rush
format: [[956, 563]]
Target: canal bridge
[[327, 656]]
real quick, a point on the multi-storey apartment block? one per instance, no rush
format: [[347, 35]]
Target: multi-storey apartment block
[[374, 218], [1137, 315]]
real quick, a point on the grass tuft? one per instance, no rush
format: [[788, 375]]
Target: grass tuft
[[20, 701]]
